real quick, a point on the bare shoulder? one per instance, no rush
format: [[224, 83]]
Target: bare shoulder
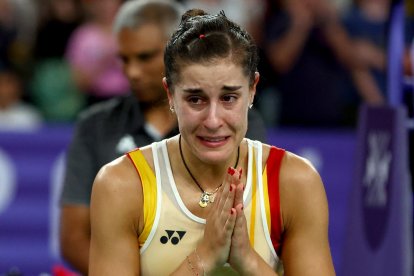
[[116, 178], [297, 170], [120, 175], [117, 191], [302, 192]]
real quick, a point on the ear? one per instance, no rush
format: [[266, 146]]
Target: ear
[[167, 90], [253, 87]]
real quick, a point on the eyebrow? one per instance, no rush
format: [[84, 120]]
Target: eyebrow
[[147, 54], [193, 90], [142, 55], [225, 88], [231, 88]]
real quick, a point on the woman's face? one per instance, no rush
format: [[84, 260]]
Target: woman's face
[[211, 101]]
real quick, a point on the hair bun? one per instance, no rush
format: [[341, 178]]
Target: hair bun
[[192, 13]]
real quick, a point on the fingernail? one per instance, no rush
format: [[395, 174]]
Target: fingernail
[[240, 173], [231, 171]]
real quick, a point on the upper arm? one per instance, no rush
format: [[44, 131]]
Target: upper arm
[[115, 204], [305, 249], [80, 171], [74, 225], [75, 236]]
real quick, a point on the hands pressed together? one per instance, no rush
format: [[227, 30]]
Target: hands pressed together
[[308, 13], [226, 238]]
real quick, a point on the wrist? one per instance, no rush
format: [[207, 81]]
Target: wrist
[[204, 261], [250, 265]]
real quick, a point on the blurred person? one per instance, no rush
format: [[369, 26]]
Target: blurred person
[[367, 24], [92, 51], [209, 201], [8, 31], [18, 23], [52, 86], [342, 5], [310, 54], [247, 13], [108, 130], [15, 114], [59, 18]]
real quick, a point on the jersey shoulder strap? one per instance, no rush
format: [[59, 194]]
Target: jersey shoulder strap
[[149, 191], [273, 169]]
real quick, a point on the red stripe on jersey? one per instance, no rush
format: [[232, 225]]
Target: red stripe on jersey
[[273, 168]]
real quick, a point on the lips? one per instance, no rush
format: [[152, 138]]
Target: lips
[[213, 142], [214, 139]]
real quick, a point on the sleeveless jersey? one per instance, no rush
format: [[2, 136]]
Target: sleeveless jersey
[[171, 231]]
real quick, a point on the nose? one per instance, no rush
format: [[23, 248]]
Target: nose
[[133, 70], [213, 120]]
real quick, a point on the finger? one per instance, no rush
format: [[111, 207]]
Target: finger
[[218, 195], [230, 223], [239, 189], [222, 193], [229, 202], [240, 227], [225, 188], [238, 197], [218, 203], [240, 213]]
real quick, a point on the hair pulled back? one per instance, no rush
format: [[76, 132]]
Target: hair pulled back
[[203, 38]]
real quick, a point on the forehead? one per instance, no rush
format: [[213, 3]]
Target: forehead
[[215, 73], [147, 37]]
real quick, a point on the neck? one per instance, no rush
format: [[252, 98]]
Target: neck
[[214, 174], [160, 117]]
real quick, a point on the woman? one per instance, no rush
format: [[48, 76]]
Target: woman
[[209, 201]]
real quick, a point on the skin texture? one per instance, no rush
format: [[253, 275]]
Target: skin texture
[[211, 103]]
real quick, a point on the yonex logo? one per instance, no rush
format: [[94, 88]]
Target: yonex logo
[[174, 236]]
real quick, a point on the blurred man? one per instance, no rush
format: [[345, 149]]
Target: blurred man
[[15, 114], [107, 130]]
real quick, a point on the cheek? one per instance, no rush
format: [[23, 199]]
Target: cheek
[[187, 124], [156, 70], [188, 120], [244, 119], [237, 118]]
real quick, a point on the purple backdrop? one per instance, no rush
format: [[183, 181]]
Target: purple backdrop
[[379, 234]]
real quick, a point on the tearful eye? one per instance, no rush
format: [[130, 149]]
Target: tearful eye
[[195, 100], [229, 98]]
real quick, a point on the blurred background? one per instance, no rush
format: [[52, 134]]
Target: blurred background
[[318, 67]]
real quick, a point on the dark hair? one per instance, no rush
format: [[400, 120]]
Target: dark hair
[[202, 37]]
